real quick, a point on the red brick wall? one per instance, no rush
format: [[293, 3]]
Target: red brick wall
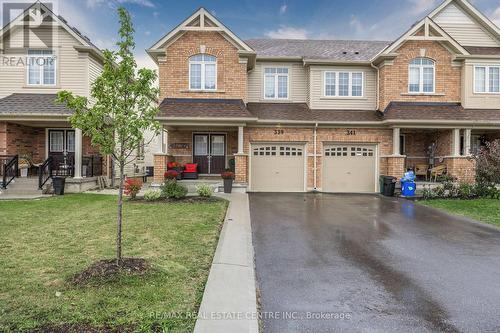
[[3, 138], [25, 140], [382, 137], [394, 78], [462, 168], [174, 70]]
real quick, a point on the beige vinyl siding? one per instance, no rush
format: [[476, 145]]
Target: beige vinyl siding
[[95, 69], [297, 82], [463, 28], [71, 67], [471, 100], [367, 102]]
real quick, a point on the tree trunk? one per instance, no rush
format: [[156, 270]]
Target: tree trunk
[[119, 218]]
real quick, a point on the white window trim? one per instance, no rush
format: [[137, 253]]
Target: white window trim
[[349, 95], [486, 78], [202, 63], [276, 95], [41, 72], [402, 147], [421, 78]]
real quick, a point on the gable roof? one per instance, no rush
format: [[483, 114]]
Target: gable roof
[[339, 50], [426, 24], [200, 20], [87, 45], [471, 10]]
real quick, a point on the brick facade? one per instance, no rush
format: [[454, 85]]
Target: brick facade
[[231, 73], [394, 77], [462, 168]]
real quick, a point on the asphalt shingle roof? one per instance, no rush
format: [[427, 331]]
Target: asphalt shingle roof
[[437, 111], [482, 50], [339, 50], [203, 108], [32, 104]]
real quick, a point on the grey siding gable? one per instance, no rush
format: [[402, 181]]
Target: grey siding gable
[[72, 66]]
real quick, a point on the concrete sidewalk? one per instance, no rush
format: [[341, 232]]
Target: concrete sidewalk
[[229, 303]]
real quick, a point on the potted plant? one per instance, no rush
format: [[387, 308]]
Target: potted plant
[[228, 177], [171, 175], [176, 166], [132, 187]]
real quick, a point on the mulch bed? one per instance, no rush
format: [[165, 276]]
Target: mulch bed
[[81, 328], [185, 200], [109, 268]]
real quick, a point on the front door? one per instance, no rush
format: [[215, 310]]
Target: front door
[[61, 144], [209, 153]]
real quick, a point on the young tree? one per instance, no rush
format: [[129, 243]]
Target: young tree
[[122, 108]]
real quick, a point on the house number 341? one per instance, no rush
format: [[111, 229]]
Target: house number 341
[[350, 132]]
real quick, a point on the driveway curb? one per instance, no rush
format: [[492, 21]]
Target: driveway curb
[[229, 302]]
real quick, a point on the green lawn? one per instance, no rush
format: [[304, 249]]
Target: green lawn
[[484, 210], [43, 243]]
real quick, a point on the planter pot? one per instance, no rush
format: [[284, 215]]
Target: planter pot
[[58, 184], [228, 185], [24, 172]]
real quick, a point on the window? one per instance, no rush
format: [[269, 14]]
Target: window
[[41, 67], [421, 76], [402, 144], [487, 79], [276, 83], [56, 140], [70, 141], [343, 84], [203, 72]]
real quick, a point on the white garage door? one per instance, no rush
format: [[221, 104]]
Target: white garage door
[[349, 168], [277, 168]]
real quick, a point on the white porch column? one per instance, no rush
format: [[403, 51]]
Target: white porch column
[[456, 142], [395, 141], [240, 140], [78, 153], [467, 141]]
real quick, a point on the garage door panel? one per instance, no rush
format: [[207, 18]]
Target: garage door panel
[[349, 168], [277, 168]]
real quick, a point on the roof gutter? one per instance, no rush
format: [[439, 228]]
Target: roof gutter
[[335, 62]]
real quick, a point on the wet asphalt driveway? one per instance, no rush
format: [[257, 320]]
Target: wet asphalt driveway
[[381, 265]]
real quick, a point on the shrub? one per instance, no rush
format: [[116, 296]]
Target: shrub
[[152, 195], [172, 190], [132, 187], [466, 191], [204, 190], [488, 163], [438, 192], [170, 175]]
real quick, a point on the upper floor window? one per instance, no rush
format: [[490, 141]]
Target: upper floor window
[[276, 83], [343, 84], [487, 79], [41, 67], [421, 76], [202, 72]]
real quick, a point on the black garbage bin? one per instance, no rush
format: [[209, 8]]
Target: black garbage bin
[[387, 185], [58, 183]]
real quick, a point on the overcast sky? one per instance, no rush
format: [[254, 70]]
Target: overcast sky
[[323, 19]]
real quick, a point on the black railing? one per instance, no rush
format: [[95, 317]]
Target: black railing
[[63, 166], [45, 172], [10, 170], [92, 166]]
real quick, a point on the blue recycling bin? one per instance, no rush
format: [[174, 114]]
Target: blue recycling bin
[[408, 188]]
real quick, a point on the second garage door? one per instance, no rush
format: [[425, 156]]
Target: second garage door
[[277, 168], [349, 168]]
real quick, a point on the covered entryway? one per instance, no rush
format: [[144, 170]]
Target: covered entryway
[[209, 152], [349, 168], [277, 168]]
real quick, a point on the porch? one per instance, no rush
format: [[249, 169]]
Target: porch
[[212, 149], [438, 154], [38, 151]]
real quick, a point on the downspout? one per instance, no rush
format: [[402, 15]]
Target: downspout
[[378, 85], [315, 157]]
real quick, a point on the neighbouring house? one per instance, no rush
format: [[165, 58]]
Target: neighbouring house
[[41, 54], [329, 115]]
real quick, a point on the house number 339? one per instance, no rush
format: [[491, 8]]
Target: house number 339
[[350, 132], [279, 132]]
